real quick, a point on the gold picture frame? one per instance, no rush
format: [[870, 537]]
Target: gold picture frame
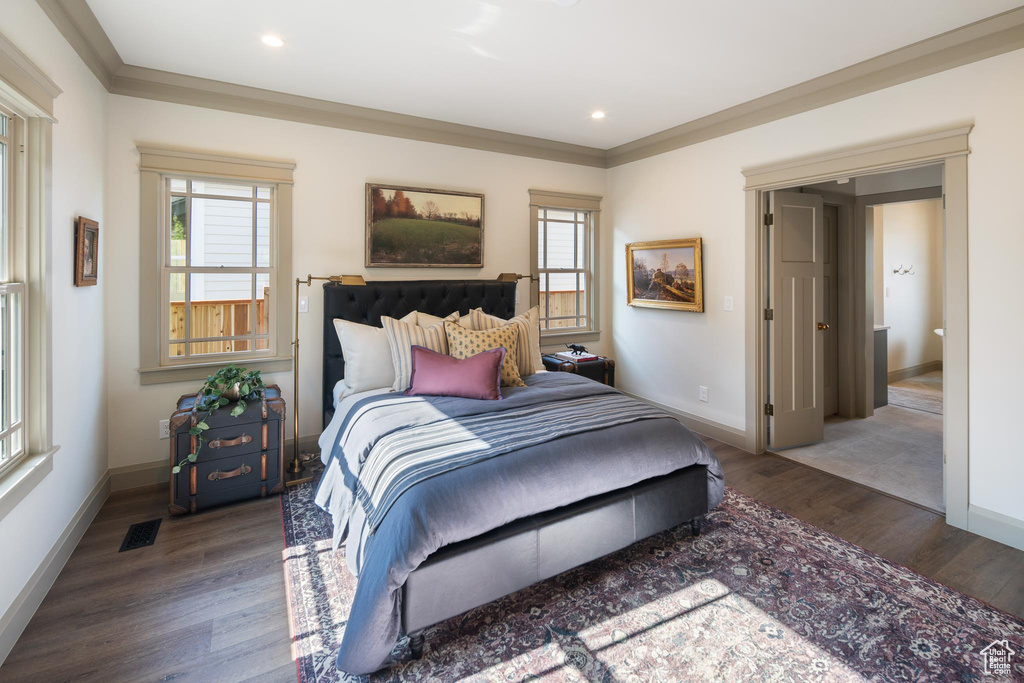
[[665, 274]]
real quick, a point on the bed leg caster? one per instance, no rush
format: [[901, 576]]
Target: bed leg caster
[[695, 525], [416, 644]]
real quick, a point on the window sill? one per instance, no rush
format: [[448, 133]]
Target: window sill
[[167, 374], [552, 338], [20, 481]]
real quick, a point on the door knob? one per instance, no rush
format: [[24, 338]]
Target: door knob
[[822, 326]]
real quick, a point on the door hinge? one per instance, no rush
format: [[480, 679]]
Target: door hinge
[[769, 218], [769, 409], [769, 314]]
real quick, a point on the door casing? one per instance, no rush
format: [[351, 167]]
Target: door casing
[[949, 147]]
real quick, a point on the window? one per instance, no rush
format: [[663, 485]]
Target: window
[[12, 307], [215, 254], [565, 248], [218, 273]]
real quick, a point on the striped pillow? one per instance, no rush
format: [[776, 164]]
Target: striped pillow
[[528, 327], [401, 338]]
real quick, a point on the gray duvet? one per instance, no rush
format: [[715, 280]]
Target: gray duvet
[[463, 502]]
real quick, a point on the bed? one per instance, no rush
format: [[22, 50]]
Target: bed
[[561, 472]]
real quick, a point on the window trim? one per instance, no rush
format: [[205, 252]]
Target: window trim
[[29, 94], [156, 165], [590, 204]]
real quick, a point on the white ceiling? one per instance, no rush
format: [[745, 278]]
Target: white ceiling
[[528, 66]]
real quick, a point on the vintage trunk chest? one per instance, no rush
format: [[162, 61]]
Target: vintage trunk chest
[[601, 370], [241, 458]]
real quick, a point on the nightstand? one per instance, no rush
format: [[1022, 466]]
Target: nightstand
[[601, 370], [240, 459]]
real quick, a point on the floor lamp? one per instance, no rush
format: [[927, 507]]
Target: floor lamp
[[297, 473]]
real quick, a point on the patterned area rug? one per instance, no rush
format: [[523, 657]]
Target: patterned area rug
[[759, 595]]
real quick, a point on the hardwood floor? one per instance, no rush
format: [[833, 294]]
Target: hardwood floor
[[207, 601]]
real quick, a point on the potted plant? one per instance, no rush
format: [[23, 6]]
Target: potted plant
[[228, 384]]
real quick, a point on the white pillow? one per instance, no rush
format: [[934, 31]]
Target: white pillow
[[528, 360], [421, 319], [402, 336], [367, 357]]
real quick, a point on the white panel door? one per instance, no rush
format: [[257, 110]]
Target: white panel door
[[797, 349]]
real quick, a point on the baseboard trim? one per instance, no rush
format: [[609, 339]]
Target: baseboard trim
[[17, 616], [914, 371], [139, 475], [704, 427], [996, 526]]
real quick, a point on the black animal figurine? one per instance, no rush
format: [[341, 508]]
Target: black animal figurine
[[577, 349]]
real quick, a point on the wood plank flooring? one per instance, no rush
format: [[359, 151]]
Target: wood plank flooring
[[207, 601]]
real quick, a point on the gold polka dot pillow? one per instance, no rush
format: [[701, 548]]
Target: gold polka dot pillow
[[528, 356], [463, 343]]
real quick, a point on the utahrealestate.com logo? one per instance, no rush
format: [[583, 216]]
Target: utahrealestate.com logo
[[997, 658]]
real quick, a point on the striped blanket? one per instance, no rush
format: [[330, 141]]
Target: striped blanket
[[403, 458]]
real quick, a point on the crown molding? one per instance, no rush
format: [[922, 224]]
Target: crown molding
[[135, 81], [983, 39], [986, 38], [80, 27]]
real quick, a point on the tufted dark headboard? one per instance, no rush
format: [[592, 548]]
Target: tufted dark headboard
[[367, 303]]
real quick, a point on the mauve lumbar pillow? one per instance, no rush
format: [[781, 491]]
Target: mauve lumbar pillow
[[435, 374]]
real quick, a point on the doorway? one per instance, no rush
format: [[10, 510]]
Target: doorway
[[896, 446], [948, 148]]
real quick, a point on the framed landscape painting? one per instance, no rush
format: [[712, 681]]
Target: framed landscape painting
[[665, 274], [415, 227], [87, 252]]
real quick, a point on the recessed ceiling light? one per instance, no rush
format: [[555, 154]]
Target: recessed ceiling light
[[565, 3], [272, 41], [597, 115]]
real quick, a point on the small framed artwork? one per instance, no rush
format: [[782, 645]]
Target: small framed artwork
[[665, 274], [87, 252], [415, 227]]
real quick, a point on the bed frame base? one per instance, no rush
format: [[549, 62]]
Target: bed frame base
[[465, 575]]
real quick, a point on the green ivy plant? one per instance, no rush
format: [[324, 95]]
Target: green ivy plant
[[214, 394]]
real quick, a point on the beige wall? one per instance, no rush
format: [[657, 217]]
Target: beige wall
[[79, 403], [698, 191], [911, 236], [879, 274], [331, 168]]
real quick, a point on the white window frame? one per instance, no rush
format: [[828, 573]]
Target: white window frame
[[14, 442], [590, 206], [157, 166], [168, 269], [28, 94]]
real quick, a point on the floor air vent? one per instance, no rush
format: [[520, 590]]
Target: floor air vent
[[140, 535]]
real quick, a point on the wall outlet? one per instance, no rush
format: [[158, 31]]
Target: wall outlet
[[704, 394], [303, 304], [728, 303], [165, 429]]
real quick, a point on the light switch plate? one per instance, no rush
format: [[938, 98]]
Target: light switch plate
[[728, 303], [303, 304]]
